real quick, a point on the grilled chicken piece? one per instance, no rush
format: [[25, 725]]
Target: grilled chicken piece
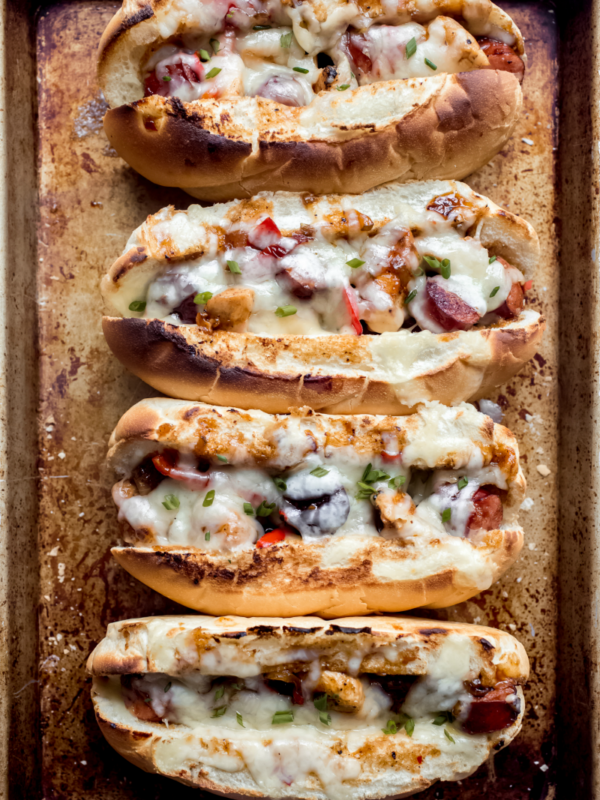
[[346, 693], [232, 308]]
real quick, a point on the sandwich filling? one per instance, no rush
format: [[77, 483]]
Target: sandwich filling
[[288, 53], [172, 497], [424, 269]]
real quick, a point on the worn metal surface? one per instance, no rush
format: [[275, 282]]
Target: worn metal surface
[[89, 202]]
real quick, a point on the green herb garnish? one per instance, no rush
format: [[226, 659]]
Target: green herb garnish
[[265, 509], [202, 298], [411, 47], [168, 686], [248, 509], [203, 55], [171, 502], [208, 500], [430, 64], [137, 305], [282, 717], [213, 73], [494, 291], [410, 297], [214, 43], [343, 87], [218, 712], [300, 69], [443, 266], [280, 484], [222, 459], [446, 514], [492, 259], [285, 311], [462, 482], [319, 472], [397, 482], [207, 536], [285, 40], [355, 263], [240, 719]]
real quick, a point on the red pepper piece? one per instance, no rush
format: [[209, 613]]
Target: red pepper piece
[[264, 235], [352, 306], [166, 463], [278, 535]]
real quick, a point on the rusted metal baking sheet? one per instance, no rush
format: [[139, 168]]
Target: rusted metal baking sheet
[[58, 520]]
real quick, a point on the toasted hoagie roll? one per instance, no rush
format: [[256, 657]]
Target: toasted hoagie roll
[[230, 511], [356, 708], [267, 303], [225, 100]]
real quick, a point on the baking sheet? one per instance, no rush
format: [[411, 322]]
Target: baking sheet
[[89, 202]]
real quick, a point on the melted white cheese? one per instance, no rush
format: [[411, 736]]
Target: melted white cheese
[[322, 264]]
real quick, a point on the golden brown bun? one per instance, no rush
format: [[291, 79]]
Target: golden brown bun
[[443, 126], [340, 374], [295, 579], [390, 766], [152, 644], [343, 575], [446, 128]]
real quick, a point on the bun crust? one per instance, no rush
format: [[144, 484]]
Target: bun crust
[[339, 374], [388, 766], [341, 575], [440, 127]]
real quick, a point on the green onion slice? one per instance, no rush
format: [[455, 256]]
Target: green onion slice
[[446, 514], [207, 536], [248, 509], [319, 472], [355, 263], [494, 291], [410, 297], [222, 459], [391, 727], [218, 712], [137, 305], [300, 69], [285, 311], [214, 43], [397, 482], [462, 482], [171, 502], [282, 717], [168, 686], [280, 484], [430, 64], [202, 298], [411, 47], [320, 702], [343, 87], [265, 509], [203, 55], [208, 500], [240, 719], [213, 73], [285, 40], [492, 259], [234, 267], [261, 28]]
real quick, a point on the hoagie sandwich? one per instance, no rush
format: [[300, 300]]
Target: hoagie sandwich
[[372, 303], [301, 708], [231, 511], [225, 99]]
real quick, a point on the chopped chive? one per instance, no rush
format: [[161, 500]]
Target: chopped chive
[[261, 28], [202, 298], [446, 514], [409, 726], [366, 472], [442, 717], [462, 482], [214, 43], [442, 266], [320, 702], [171, 502], [410, 297], [208, 500], [343, 87], [300, 69], [494, 291], [285, 40], [234, 267], [168, 686], [447, 735], [355, 263], [137, 305], [280, 484], [492, 259], [166, 78], [207, 536], [235, 687], [203, 55], [325, 718], [248, 509], [319, 472], [218, 712], [282, 717], [213, 73], [430, 64], [285, 311], [397, 482], [445, 268], [411, 47], [265, 509], [222, 459], [219, 693], [240, 719], [391, 727]]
